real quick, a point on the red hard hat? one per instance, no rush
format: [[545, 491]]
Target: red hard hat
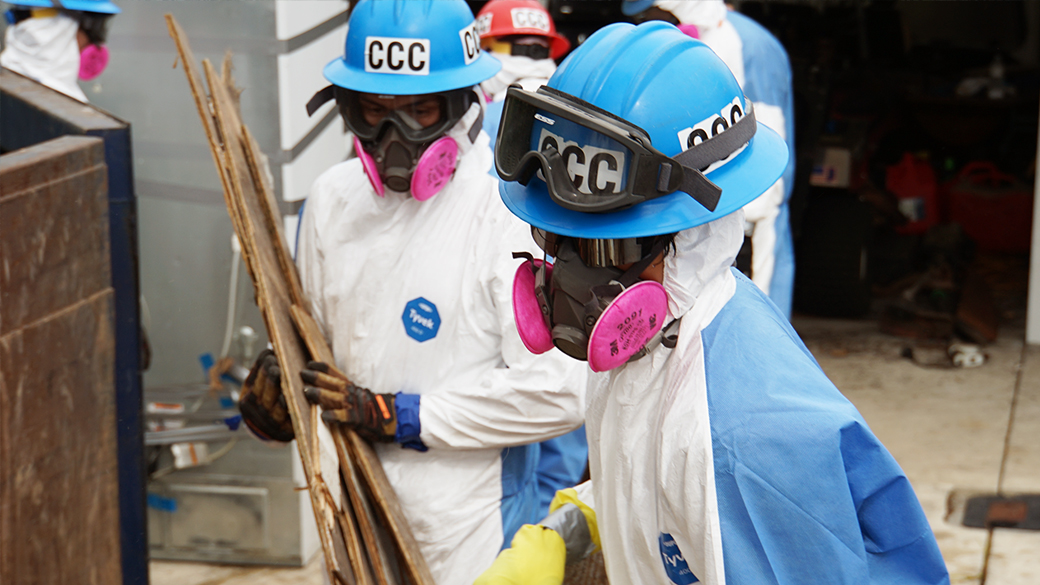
[[501, 18]]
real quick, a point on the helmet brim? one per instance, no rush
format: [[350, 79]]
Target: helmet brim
[[559, 45], [484, 68], [742, 180], [98, 6]]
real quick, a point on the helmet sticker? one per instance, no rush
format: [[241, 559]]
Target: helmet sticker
[[593, 170], [470, 42], [397, 55], [711, 127], [484, 23], [530, 18], [421, 319]]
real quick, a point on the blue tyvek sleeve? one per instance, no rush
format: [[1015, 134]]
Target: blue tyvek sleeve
[[408, 427], [561, 464], [806, 492]]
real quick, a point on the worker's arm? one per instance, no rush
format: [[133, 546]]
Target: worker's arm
[[539, 552], [517, 399], [527, 398]]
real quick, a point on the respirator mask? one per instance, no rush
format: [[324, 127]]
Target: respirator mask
[[402, 143], [94, 57], [587, 306]]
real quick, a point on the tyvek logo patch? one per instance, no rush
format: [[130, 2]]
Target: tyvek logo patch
[[674, 564], [421, 319]]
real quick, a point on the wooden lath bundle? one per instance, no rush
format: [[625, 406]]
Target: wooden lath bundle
[[362, 528]]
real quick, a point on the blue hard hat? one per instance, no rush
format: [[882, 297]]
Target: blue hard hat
[[99, 6], [632, 7], [676, 89], [406, 47]]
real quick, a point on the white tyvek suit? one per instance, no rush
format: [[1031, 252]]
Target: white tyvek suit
[[709, 16], [715, 30], [45, 49], [562, 460], [383, 274], [529, 73], [732, 459]]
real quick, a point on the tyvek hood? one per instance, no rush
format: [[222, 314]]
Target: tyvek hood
[[45, 49], [702, 254], [704, 14], [529, 73], [460, 132]]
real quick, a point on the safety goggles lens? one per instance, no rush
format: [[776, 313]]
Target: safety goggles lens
[[418, 117], [596, 164], [585, 155], [592, 161]]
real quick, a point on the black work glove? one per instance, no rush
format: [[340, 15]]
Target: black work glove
[[262, 402], [372, 416]]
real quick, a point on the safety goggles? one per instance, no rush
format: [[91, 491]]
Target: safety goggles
[[594, 161], [519, 46], [597, 253], [368, 118]]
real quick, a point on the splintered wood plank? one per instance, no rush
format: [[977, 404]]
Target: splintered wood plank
[[255, 217], [389, 509], [274, 299], [312, 336], [362, 515], [223, 129], [198, 93], [272, 216], [367, 462]]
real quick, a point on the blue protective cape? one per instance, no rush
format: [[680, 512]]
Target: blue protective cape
[[776, 423]]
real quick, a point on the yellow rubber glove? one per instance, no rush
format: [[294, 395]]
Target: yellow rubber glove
[[536, 557]]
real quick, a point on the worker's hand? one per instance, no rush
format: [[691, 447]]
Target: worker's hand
[[537, 556], [262, 402], [373, 416]]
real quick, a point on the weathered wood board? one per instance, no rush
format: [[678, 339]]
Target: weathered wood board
[[59, 486], [345, 530], [590, 571]]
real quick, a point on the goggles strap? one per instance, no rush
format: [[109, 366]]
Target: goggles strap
[[704, 154], [319, 99], [531, 51], [477, 126]]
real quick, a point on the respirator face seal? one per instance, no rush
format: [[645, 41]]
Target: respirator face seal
[[585, 304], [401, 139], [363, 116]]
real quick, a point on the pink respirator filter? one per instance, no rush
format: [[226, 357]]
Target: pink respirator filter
[[92, 61], [435, 168], [627, 324], [530, 323]]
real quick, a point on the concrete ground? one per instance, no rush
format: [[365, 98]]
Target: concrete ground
[[956, 432]]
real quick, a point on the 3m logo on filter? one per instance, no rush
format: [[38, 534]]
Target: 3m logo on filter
[[470, 43], [397, 56], [530, 18]]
